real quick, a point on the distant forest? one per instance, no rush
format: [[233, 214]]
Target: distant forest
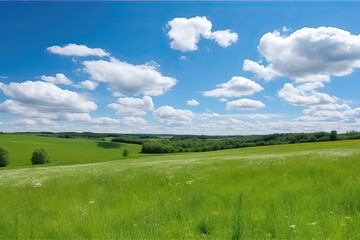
[[181, 143], [195, 143]]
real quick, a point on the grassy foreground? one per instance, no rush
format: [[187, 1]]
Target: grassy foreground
[[300, 191]]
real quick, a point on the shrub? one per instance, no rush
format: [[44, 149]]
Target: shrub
[[126, 152], [40, 156], [4, 157]]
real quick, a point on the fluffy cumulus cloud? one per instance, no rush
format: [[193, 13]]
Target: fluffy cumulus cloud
[[261, 71], [131, 121], [236, 87], [308, 54], [77, 50], [87, 84], [305, 95], [133, 106], [244, 104], [59, 78], [321, 107], [44, 100], [125, 77], [192, 102], [224, 38], [185, 33], [170, 116], [337, 113]]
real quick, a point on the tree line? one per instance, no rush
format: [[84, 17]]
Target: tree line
[[203, 143]]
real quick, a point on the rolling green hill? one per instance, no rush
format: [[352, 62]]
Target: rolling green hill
[[63, 151], [300, 191]]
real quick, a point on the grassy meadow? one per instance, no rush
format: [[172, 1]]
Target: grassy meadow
[[297, 191], [63, 151]]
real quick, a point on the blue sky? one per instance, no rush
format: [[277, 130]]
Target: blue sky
[[180, 67]]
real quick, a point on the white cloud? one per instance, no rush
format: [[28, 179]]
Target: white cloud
[[261, 71], [133, 106], [330, 107], [59, 78], [236, 87], [305, 95], [17, 108], [192, 102], [244, 104], [170, 116], [309, 54], [87, 84], [77, 50], [206, 116], [223, 100], [104, 120], [183, 58], [125, 77], [185, 33], [24, 122], [330, 112], [83, 117], [130, 121], [43, 100], [224, 38], [285, 29], [46, 121]]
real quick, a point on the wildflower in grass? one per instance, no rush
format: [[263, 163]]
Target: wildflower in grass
[[348, 218], [312, 224], [37, 183], [293, 226], [190, 181], [91, 202]]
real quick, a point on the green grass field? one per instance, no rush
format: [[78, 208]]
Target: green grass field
[[63, 151], [299, 191]]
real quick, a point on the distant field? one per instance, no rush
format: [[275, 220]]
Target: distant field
[[298, 191], [63, 151]]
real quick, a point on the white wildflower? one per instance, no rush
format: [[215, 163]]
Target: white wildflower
[[312, 224], [190, 181], [91, 202], [37, 183], [293, 226]]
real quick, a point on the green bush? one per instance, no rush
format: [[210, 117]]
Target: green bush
[[4, 157], [40, 156], [126, 152]]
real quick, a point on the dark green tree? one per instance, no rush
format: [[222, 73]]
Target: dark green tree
[[126, 152], [4, 157], [40, 156], [333, 135]]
